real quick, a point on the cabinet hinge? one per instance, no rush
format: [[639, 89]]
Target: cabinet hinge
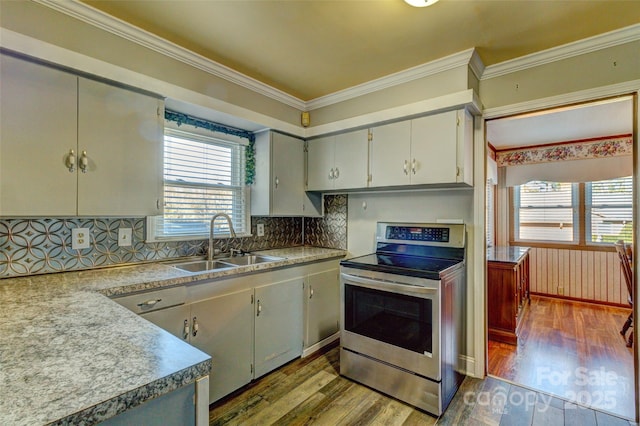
[[457, 171], [252, 299], [251, 368], [370, 135], [306, 146], [369, 178], [158, 111], [457, 120]]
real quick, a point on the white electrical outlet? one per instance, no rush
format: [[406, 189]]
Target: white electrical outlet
[[260, 229], [124, 237], [80, 238]]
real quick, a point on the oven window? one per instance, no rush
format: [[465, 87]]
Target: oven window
[[396, 319]]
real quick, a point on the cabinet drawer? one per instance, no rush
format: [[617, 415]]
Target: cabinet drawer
[[153, 300]]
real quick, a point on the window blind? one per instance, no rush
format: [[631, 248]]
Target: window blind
[[545, 211], [202, 176], [609, 210]]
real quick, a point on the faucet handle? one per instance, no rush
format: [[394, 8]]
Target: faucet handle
[[235, 252]]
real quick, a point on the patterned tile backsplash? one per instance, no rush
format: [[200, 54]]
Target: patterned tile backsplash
[[39, 246]]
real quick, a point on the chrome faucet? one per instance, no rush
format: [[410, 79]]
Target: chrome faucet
[[232, 232]]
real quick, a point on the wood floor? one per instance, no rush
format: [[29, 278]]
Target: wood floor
[[310, 391], [571, 350]]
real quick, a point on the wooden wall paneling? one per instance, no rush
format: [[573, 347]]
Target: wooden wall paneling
[[565, 273], [585, 275]]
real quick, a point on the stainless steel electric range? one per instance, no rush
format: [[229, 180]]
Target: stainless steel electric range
[[401, 313]]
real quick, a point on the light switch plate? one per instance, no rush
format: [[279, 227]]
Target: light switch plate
[[124, 237], [260, 229], [80, 238]]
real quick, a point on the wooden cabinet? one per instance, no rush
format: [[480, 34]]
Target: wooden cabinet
[[279, 182], [278, 324], [432, 150], [338, 162], [507, 292], [322, 305], [71, 146]]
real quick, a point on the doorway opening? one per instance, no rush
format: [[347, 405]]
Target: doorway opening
[[559, 194]]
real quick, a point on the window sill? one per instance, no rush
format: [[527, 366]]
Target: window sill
[[565, 246]]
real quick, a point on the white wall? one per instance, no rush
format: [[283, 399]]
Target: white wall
[[419, 206]]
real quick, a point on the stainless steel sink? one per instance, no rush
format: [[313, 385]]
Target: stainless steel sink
[[249, 259], [224, 263], [203, 265]]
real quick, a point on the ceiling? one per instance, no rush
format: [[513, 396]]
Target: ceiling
[[609, 117], [312, 48]]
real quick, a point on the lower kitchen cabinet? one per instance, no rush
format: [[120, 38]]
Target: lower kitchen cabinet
[[221, 327], [174, 408], [249, 325], [322, 305], [278, 325]]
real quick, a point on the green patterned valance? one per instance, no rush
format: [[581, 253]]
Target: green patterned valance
[[180, 118]]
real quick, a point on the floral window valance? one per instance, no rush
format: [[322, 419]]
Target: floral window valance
[[180, 118], [614, 146]]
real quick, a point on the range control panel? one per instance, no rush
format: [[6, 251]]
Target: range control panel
[[428, 234], [417, 233]]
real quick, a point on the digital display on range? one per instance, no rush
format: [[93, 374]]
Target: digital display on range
[[440, 235]]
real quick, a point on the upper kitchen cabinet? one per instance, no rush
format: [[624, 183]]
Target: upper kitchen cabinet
[[338, 162], [38, 138], [70, 146], [120, 135], [279, 180], [391, 154], [431, 150], [442, 148]]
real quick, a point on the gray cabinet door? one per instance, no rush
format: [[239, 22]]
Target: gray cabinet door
[[172, 320], [38, 129], [287, 159], [320, 163], [390, 154], [323, 306], [278, 324], [121, 133], [225, 331], [351, 160], [434, 148]]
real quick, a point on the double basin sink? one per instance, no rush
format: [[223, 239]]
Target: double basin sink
[[227, 262]]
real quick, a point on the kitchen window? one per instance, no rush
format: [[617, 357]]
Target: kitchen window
[[203, 175], [581, 214]]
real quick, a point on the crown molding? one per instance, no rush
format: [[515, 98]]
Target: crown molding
[[400, 77], [569, 50], [618, 89], [99, 19]]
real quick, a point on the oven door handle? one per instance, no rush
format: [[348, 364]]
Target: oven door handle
[[387, 285]]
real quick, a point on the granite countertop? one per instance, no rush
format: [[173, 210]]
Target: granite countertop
[[506, 254], [68, 354]]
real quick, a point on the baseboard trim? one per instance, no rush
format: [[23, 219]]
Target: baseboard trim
[[577, 299], [321, 344]]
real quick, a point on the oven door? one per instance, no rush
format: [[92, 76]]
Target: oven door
[[392, 318]]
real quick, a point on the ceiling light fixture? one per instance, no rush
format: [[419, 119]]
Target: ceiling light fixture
[[420, 3]]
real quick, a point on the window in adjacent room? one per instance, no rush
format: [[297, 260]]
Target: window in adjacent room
[[609, 210], [203, 175], [580, 214]]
